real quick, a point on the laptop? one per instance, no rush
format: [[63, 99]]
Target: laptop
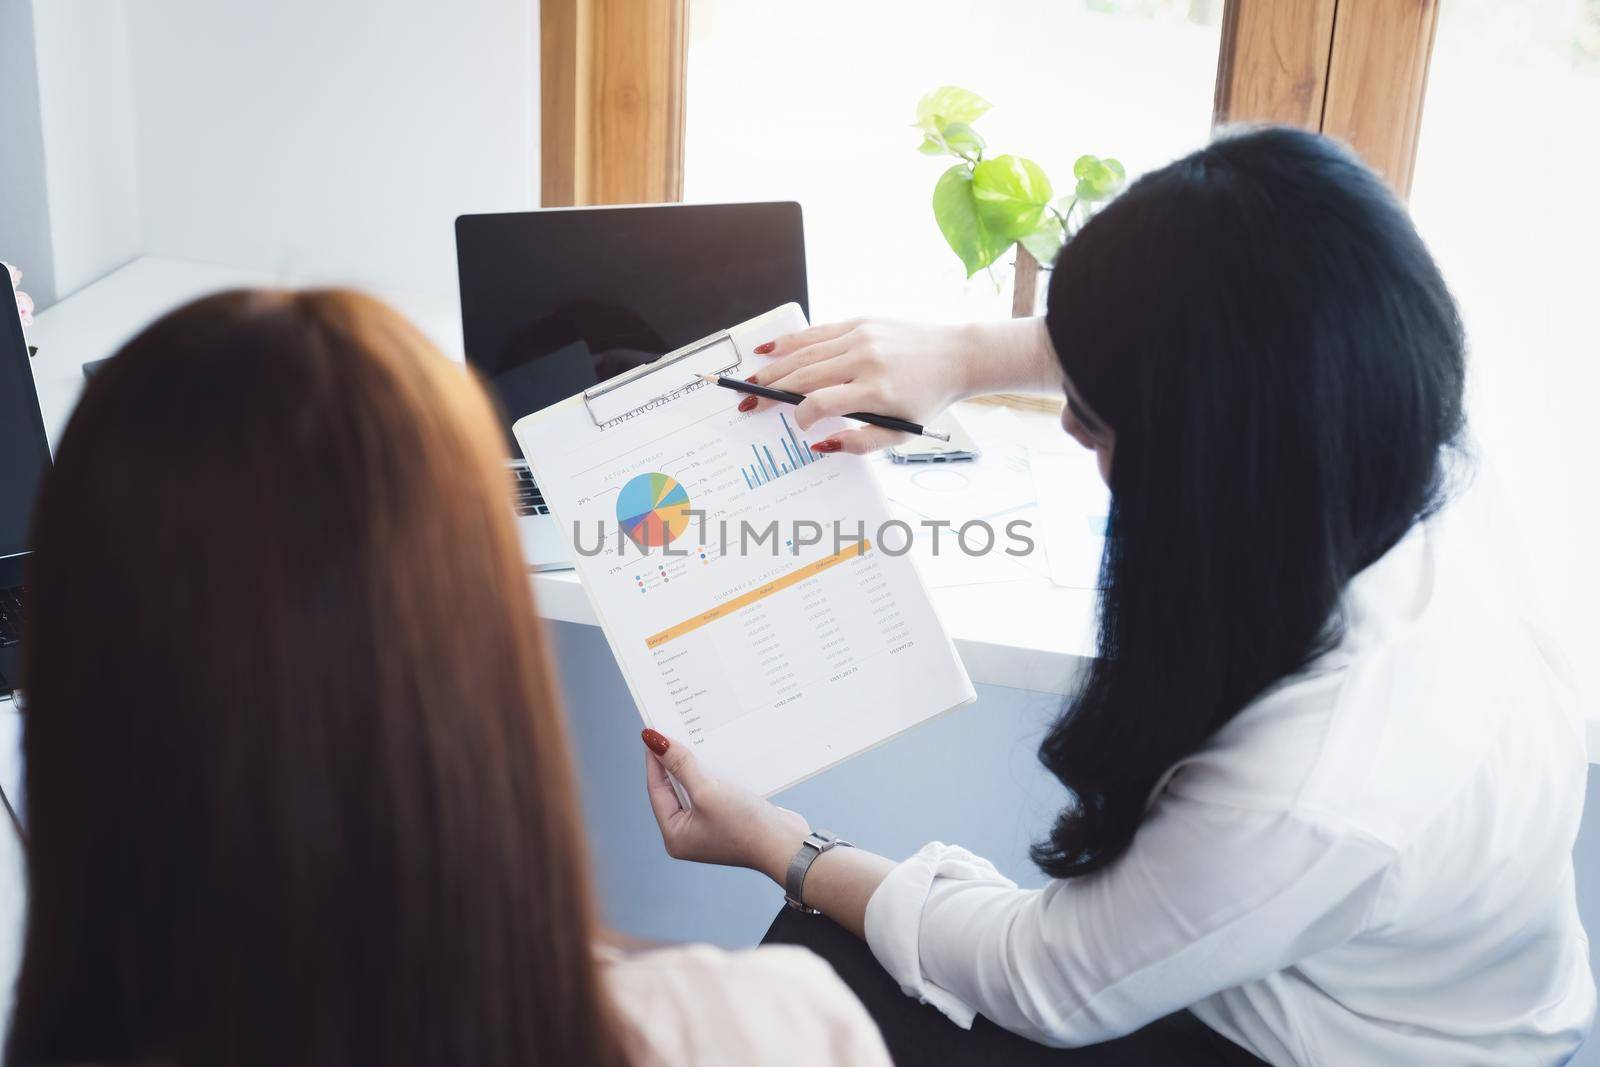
[[24, 458], [556, 301]]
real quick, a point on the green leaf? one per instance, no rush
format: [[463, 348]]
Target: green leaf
[[1098, 179], [1012, 194], [1044, 242], [955, 209], [949, 103], [963, 140], [932, 145]]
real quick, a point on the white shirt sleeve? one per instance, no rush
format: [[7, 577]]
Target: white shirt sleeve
[[1207, 897]]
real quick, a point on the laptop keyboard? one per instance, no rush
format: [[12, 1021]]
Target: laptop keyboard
[[10, 616], [526, 495]]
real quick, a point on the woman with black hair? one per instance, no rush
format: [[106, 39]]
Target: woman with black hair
[[1324, 782]]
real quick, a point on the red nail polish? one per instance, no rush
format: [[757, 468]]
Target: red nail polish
[[751, 379], [766, 349], [748, 404], [655, 742], [830, 445]]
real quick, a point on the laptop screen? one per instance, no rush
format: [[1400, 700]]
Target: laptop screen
[[24, 450], [553, 302]]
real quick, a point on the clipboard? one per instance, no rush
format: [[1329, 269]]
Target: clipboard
[[775, 661], [594, 398]]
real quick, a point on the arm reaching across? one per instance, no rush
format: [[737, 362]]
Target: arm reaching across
[[913, 370]]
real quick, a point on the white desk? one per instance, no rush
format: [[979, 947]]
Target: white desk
[[1026, 634], [93, 322], [1023, 634]]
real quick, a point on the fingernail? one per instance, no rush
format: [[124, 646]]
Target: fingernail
[[829, 445], [766, 349], [655, 742], [751, 379], [748, 403]]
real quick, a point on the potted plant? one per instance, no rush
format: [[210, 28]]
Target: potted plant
[[987, 205]]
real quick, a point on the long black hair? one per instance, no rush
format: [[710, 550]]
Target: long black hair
[[1282, 366]]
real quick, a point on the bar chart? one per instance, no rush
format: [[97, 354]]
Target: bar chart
[[794, 454]]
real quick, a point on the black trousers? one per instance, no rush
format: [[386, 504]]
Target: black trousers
[[918, 1034]]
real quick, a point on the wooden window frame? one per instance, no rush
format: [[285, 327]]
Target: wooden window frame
[[1356, 70], [612, 85], [611, 80]]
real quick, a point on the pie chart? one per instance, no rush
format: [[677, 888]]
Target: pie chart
[[652, 509]]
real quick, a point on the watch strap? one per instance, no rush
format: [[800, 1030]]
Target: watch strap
[[816, 843]]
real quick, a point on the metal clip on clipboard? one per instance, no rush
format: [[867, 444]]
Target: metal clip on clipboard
[[632, 391]]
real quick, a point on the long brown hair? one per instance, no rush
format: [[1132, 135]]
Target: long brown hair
[[297, 781]]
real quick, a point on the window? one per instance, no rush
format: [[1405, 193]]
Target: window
[[1505, 195], [814, 102]]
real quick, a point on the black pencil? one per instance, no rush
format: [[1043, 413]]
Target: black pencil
[[888, 422]]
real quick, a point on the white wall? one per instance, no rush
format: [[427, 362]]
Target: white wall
[[315, 140], [24, 203], [87, 123], [331, 140]]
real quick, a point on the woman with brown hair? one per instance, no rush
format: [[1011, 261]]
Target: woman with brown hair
[[297, 781]]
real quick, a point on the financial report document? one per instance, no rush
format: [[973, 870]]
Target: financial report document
[[756, 594]]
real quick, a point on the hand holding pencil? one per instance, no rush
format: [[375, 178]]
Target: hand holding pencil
[[902, 371], [764, 392]]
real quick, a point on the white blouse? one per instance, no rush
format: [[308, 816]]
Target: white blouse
[[693, 1005], [1372, 863]]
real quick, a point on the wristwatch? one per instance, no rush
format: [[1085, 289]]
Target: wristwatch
[[816, 843]]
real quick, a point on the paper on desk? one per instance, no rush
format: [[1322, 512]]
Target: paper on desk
[[942, 562], [998, 481], [1073, 502], [989, 422]]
